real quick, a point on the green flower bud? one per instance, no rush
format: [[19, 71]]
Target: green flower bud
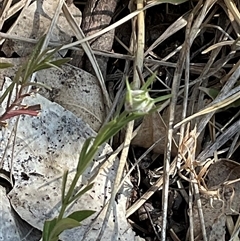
[[138, 101]]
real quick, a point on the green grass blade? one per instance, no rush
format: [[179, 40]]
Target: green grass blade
[[31, 62], [6, 92], [81, 215], [61, 225], [64, 182], [53, 64], [82, 156], [47, 228]]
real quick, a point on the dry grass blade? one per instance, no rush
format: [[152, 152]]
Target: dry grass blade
[[218, 104], [175, 89], [53, 24], [11, 11], [5, 8], [118, 23], [96, 52], [234, 146], [172, 29], [235, 230], [220, 140], [114, 25], [233, 9], [186, 86], [148, 194], [138, 64], [189, 164], [16, 7], [79, 34], [167, 153], [232, 78], [220, 44]]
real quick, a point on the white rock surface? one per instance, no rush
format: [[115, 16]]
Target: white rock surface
[[44, 147]]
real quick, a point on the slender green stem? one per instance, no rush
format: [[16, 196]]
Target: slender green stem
[[89, 156], [139, 99], [87, 159]]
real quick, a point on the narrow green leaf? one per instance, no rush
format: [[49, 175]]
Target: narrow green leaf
[[47, 55], [162, 98], [81, 215], [64, 181], [47, 229], [101, 136], [81, 192], [5, 65], [6, 92], [82, 157], [111, 132], [114, 129], [114, 126], [235, 104], [31, 62], [60, 62], [61, 225], [46, 65], [149, 82], [52, 64], [42, 55], [211, 92]]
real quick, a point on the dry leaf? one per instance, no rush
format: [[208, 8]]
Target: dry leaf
[[153, 128]]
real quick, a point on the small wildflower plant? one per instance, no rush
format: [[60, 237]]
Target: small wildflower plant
[[137, 104], [139, 101], [38, 60]]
